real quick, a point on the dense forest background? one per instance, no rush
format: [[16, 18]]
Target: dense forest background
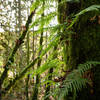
[[49, 49]]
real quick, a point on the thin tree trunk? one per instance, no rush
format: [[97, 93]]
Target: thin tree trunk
[[16, 28], [35, 91], [28, 57], [19, 16], [27, 79], [19, 32], [46, 43], [47, 92]]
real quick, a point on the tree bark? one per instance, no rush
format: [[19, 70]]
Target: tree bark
[[83, 44]]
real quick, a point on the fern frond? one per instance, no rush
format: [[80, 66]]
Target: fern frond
[[51, 29], [87, 66], [53, 43], [44, 8], [34, 5], [44, 67], [89, 9], [74, 80], [46, 19], [38, 3], [70, 85]]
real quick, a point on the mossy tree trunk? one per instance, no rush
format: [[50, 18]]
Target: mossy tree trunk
[[83, 45]]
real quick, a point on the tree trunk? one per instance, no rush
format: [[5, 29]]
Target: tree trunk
[[83, 44], [47, 91]]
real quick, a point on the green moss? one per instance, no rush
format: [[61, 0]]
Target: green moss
[[85, 46], [62, 9]]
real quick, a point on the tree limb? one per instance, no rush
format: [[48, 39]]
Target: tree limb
[[17, 45], [18, 77]]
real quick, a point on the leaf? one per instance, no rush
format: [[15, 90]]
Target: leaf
[[43, 20], [74, 81], [53, 42], [44, 67], [91, 8], [73, 1], [34, 5]]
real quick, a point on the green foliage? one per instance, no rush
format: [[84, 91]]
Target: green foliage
[[72, 0], [46, 19], [52, 43], [34, 5], [95, 8], [46, 66], [92, 8], [52, 29], [38, 3], [74, 81], [87, 66]]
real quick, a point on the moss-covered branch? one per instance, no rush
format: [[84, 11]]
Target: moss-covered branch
[[18, 77], [17, 45]]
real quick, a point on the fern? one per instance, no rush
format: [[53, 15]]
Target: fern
[[89, 9], [46, 19], [70, 85], [36, 4], [44, 8], [74, 81], [49, 64], [52, 29], [87, 66], [54, 42]]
